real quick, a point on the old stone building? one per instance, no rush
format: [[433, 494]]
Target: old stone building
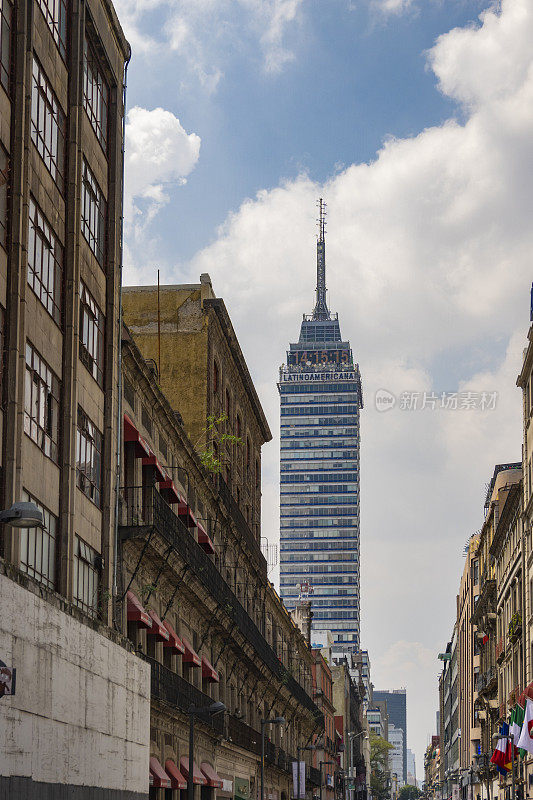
[[197, 603], [61, 132], [468, 656], [203, 373], [489, 631]]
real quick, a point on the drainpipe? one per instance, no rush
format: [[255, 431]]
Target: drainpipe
[[119, 339]]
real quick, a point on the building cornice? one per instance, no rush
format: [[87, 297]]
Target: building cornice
[[528, 361], [510, 507]]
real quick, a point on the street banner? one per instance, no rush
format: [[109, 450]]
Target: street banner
[[295, 780]]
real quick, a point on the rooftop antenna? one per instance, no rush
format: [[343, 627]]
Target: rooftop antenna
[[321, 310]]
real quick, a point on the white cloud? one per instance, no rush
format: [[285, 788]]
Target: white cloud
[[205, 34], [159, 154], [429, 265], [392, 7]]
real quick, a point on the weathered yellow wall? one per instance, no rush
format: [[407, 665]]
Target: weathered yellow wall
[[184, 368]]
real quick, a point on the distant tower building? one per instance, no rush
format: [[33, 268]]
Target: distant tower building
[[396, 700], [321, 397]]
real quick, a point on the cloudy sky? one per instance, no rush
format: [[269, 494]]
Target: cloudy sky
[[414, 120]]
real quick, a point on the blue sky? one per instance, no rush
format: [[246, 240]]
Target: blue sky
[[356, 76], [414, 120]]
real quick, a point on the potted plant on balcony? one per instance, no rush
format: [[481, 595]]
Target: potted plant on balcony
[[515, 626]]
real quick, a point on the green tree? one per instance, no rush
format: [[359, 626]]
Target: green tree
[[379, 773], [409, 792]]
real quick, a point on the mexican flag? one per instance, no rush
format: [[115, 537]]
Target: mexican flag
[[517, 720], [499, 757], [526, 739]]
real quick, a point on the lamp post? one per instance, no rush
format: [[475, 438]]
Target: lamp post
[[352, 736], [320, 763], [206, 711], [264, 722], [510, 738]]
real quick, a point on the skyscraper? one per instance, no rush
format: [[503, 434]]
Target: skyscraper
[[321, 397], [396, 700]]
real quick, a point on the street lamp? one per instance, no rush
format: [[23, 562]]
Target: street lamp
[[22, 515], [320, 763], [352, 736], [264, 722], [509, 738], [194, 711]]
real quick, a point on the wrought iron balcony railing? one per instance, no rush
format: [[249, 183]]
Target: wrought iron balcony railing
[[314, 776], [171, 688], [144, 507], [240, 522], [244, 736]]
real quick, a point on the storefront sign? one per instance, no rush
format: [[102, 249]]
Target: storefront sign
[[242, 789]]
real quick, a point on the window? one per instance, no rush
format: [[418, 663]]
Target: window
[[91, 335], [41, 403], [6, 13], [45, 262], [47, 124], [93, 208], [55, 14], [146, 419], [95, 93], [216, 378], [85, 578], [4, 182], [89, 457], [2, 349], [38, 547], [129, 393]]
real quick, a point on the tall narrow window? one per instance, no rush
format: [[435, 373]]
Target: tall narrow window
[[85, 578], [45, 262], [2, 353], [41, 403], [55, 14], [91, 335], [95, 93], [38, 547], [89, 457], [216, 378], [48, 124], [93, 210], [4, 182], [6, 15]]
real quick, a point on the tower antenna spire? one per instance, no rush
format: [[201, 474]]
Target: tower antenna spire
[[321, 310]]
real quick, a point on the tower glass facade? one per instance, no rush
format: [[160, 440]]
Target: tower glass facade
[[321, 398]]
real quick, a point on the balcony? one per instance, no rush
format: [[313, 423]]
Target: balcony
[[488, 681], [240, 523], [171, 688], [143, 511], [314, 776], [243, 735]]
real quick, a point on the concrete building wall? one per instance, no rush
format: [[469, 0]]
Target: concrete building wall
[[80, 714]]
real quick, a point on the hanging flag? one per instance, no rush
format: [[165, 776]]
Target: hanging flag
[[526, 739], [499, 757], [517, 720]]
